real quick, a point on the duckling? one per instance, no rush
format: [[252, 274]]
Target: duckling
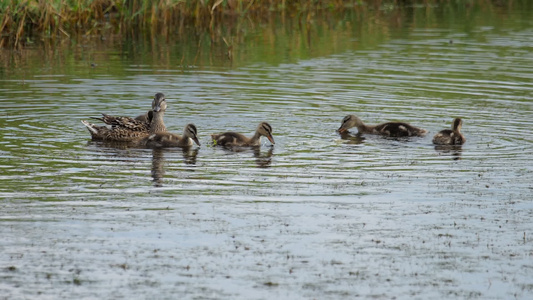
[[125, 129], [147, 117], [391, 129], [168, 139], [451, 137], [237, 139]]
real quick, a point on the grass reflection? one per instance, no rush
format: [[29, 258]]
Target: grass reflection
[[226, 32]]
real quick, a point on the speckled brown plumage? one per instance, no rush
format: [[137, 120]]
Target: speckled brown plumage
[[391, 129], [167, 139], [237, 139], [126, 129], [116, 134], [451, 137], [125, 122]]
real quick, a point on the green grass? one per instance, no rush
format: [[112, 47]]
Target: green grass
[[24, 21]]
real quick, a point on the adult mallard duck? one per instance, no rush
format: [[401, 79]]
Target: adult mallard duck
[[126, 129], [237, 139], [451, 137], [391, 129], [167, 139]]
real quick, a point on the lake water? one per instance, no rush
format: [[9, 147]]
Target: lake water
[[316, 216]]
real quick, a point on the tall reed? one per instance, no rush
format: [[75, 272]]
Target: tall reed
[[25, 21]]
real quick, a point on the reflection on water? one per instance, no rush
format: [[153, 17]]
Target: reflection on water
[[452, 150], [263, 157], [189, 155], [118, 151], [352, 138], [158, 171], [263, 160], [108, 221], [158, 161]]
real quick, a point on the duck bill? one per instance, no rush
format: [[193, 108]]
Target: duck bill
[[341, 130], [271, 139], [157, 108], [195, 139]]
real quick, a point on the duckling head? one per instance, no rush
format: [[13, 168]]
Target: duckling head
[[190, 132], [348, 122], [457, 124], [265, 129]]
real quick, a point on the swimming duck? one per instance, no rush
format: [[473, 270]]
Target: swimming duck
[[125, 129], [451, 137], [391, 129], [167, 139], [237, 139], [147, 117]]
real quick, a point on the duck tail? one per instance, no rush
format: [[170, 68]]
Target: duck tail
[[99, 119]]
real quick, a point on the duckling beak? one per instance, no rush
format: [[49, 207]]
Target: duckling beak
[[271, 139], [157, 108], [341, 129], [195, 139]]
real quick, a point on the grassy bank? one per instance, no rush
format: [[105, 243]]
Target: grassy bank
[[27, 21]]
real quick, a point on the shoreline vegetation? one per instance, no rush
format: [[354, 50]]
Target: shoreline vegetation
[[27, 22]]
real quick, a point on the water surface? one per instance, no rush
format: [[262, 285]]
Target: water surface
[[315, 216]]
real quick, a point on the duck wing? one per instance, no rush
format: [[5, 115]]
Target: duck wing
[[125, 122]]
